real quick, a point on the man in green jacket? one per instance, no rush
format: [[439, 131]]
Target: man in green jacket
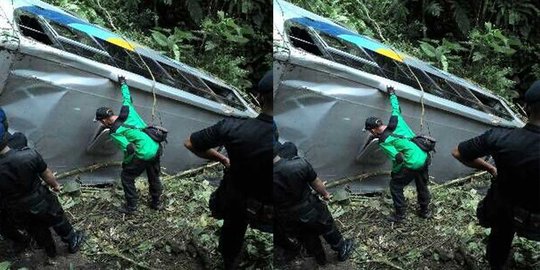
[[141, 153], [408, 160]]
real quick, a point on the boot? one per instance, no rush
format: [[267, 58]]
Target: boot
[[50, 250], [156, 204], [424, 212], [398, 216], [345, 250], [127, 209], [74, 241]]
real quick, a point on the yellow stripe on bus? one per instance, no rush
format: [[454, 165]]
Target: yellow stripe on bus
[[122, 43], [390, 53]]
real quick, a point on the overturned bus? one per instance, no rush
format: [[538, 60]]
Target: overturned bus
[[56, 69], [330, 79]]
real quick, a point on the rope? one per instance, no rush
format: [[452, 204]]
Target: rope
[[422, 114], [154, 103]]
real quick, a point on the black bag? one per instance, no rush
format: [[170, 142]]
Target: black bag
[[156, 133], [426, 143]]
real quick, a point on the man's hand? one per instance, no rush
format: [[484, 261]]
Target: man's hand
[[327, 196], [121, 79], [390, 90], [56, 188], [226, 162], [493, 171]]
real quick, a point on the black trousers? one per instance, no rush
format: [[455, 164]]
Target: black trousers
[[403, 178], [8, 229], [308, 223], [231, 240], [235, 223], [38, 219], [500, 242], [135, 168]]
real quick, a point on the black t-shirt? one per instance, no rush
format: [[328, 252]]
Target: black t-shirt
[[517, 157], [19, 173], [249, 146], [291, 181]]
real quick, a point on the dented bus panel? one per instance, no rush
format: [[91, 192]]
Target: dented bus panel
[[330, 79], [56, 69]]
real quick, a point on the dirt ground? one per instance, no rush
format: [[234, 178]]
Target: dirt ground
[[452, 239], [182, 236]]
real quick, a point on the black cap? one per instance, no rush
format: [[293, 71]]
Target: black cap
[[533, 94], [266, 84], [288, 150], [372, 122], [102, 113]]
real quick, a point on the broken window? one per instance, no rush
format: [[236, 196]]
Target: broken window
[[493, 106], [227, 94], [31, 27], [182, 81], [301, 39], [393, 70]]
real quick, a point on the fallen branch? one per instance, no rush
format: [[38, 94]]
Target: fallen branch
[[88, 169], [459, 180], [192, 171], [356, 178], [385, 262]]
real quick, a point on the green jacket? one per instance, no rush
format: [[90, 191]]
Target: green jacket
[[123, 132], [413, 157]]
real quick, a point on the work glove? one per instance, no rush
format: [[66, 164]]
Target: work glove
[[399, 158], [130, 149], [390, 90], [121, 79]]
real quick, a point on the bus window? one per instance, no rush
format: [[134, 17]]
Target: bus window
[[31, 27], [393, 70], [494, 106], [73, 34], [343, 58], [182, 82], [123, 59], [227, 94], [301, 39]]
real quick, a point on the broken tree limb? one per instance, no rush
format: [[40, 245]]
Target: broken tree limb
[[356, 178], [88, 169], [459, 180], [384, 262], [191, 171]]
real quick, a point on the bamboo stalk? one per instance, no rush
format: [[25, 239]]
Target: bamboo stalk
[[191, 171], [459, 180], [356, 178], [88, 169]]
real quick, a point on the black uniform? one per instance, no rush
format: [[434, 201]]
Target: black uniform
[[7, 228], [300, 213], [29, 204], [516, 191], [248, 142]]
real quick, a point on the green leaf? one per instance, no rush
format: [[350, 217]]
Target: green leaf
[[5, 265], [477, 56], [428, 49], [160, 39]]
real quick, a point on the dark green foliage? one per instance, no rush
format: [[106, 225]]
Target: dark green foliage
[[494, 43], [228, 38]]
